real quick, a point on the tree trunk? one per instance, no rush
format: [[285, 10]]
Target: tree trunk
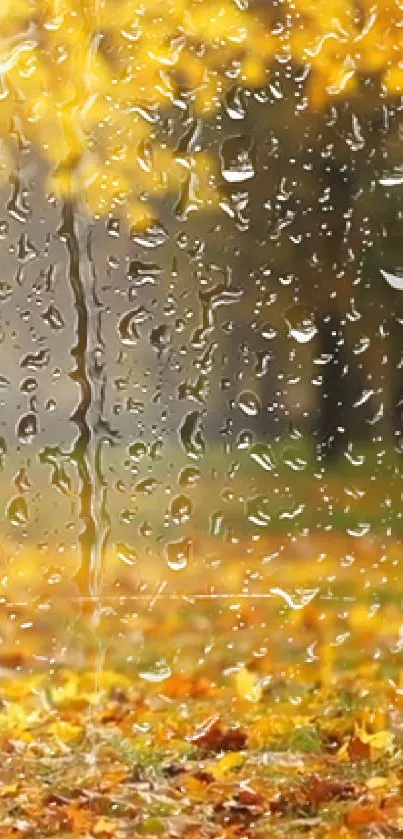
[[335, 400]]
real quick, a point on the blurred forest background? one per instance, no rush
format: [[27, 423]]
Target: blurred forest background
[[201, 303]]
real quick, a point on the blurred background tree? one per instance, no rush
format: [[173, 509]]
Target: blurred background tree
[[128, 102]]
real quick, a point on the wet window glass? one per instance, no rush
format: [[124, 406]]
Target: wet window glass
[[201, 418]]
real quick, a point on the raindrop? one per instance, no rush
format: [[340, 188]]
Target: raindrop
[[146, 487], [257, 510], [36, 361], [244, 440], [17, 511], [5, 291], [189, 476], [153, 236], [160, 339], [26, 249], [191, 436], [181, 508], [53, 318], [28, 385], [394, 178], [156, 450], [143, 273], [234, 103], [237, 159], [127, 329], [216, 523], [249, 403], [137, 450], [395, 280], [292, 459], [178, 554], [158, 673], [300, 324], [362, 529], [126, 553], [27, 428], [262, 454]]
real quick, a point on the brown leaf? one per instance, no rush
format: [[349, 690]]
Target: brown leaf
[[359, 750], [312, 794], [212, 735], [321, 790]]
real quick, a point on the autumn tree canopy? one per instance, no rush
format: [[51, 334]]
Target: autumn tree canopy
[[86, 81]]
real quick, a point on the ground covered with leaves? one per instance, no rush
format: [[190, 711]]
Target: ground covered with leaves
[[274, 714]]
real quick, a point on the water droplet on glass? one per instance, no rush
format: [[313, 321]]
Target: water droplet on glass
[[127, 329], [249, 403], [300, 324], [181, 508], [262, 454], [53, 318], [177, 554], [189, 476], [27, 428], [137, 450], [237, 159], [160, 338], [5, 291], [395, 280], [17, 511], [159, 672], [190, 434], [36, 361], [258, 510], [153, 236], [126, 553]]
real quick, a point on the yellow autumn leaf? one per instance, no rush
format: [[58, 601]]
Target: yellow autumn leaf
[[248, 686], [65, 731], [377, 782], [381, 740], [225, 765]]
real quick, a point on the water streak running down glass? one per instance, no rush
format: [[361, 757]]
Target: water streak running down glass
[[201, 333]]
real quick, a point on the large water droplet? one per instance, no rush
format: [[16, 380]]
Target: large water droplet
[[126, 553], [137, 450], [257, 510], [181, 508], [190, 435], [153, 236], [27, 428], [127, 329], [53, 318], [178, 554], [262, 454], [395, 280], [237, 159], [160, 338], [300, 324], [17, 511], [249, 403], [36, 361], [159, 672]]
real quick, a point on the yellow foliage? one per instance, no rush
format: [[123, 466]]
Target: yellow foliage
[[225, 765], [65, 731], [86, 80], [247, 685]]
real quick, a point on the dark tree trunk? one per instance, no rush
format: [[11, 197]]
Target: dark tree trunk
[[335, 400]]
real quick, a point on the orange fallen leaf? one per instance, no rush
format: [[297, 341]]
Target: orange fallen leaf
[[361, 816]]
